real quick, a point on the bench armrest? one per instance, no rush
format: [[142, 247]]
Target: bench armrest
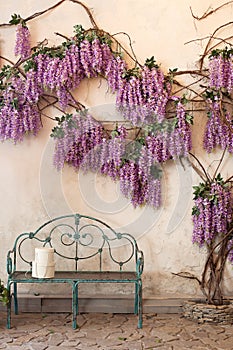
[[9, 263]]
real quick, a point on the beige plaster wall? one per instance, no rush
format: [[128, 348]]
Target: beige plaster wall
[[31, 191]]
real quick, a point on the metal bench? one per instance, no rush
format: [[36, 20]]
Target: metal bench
[[87, 249]]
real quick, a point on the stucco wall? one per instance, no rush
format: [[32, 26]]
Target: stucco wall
[[31, 190]]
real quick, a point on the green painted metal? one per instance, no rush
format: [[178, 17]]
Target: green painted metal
[[77, 238]]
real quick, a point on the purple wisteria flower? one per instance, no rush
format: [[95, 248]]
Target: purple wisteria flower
[[76, 136], [217, 132], [221, 72], [22, 45], [212, 213]]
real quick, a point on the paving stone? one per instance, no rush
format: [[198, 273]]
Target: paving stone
[[116, 335], [18, 347], [151, 343], [55, 339], [191, 344], [53, 347], [184, 335], [97, 334], [70, 343], [166, 333], [37, 346], [3, 346], [208, 341], [87, 342], [110, 342], [6, 340], [23, 339], [225, 343], [133, 345]]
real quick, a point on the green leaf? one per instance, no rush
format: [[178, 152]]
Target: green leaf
[[15, 19], [202, 190], [79, 32], [195, 211], [184, 100], [219, 179], [189, 118], [151, 63], [156, 172], [15, 103], [133, 72], [30, 64]]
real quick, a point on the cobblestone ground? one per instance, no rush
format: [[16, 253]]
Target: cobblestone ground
[[112, 332]]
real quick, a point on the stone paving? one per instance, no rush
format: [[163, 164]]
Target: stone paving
[[112, 332]]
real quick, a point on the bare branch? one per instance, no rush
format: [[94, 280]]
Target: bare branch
[[209, 12]]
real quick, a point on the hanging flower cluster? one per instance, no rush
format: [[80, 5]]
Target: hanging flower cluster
[[170, 139], [82, 142], [75, 136], [218, 131], [61, 69], [18, 116], [221, 69], [212, 212], [219, 127], [22, 45], [143, 94]]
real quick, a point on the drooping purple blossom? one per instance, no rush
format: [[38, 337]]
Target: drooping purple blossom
[[212, 215], [22, 44], [217, 132], [79, 136], [221, 72]]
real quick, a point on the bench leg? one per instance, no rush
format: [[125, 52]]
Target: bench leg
[[16, 299], [8, 325], [136, 299], [139, 304], [74, 304]]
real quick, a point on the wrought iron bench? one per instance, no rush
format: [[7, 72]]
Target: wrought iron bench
[[87, 249]]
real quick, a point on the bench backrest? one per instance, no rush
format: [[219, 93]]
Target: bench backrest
[[80, 242]]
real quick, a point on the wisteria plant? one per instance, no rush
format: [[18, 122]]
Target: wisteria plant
[[212, 212], [213, 230]]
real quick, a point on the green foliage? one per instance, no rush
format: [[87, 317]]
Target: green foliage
[[195, 211], [82, 34], [204, 190], [189, 118], [15, 103], [79, 32], [15, 19], [171, 74], [3, 294], [226, 53], [30, 64], [184, 100], [7, 72], [156, 171], [133, 72], [201, 190], [57, 131], [211, 94], [151, 63], [167, 125]]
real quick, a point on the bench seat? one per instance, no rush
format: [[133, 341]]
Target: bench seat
[[77, 276]]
